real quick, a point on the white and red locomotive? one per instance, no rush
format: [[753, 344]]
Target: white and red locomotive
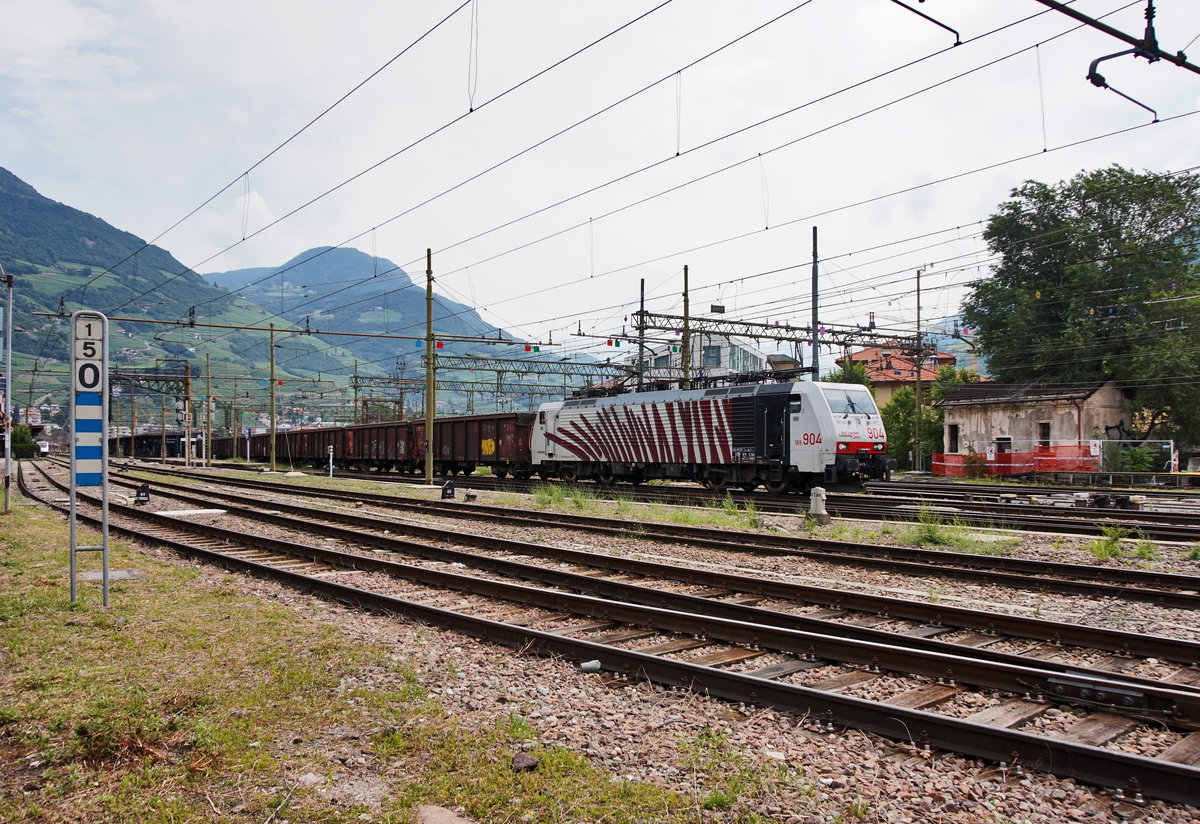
[[787, 437]]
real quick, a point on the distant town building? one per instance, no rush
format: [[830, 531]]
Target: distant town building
[[711, 356], [889, 368]]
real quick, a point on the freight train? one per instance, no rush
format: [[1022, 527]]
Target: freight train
[[786, 437]]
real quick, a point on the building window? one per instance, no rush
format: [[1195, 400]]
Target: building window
[[711, 356], [952, 436], [1003, 445], [742, 361], [1043, 434], [662, 360]]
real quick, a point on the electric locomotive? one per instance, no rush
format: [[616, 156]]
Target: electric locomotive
[[787, 437]]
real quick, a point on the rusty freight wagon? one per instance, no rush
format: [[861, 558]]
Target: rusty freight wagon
[[499, 441]]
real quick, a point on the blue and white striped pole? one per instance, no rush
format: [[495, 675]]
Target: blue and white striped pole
[[89, 426]]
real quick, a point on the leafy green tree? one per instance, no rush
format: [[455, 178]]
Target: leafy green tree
[[948, 379], [900, 420], [23, 446], [855, 373], [1098, 278], [900, 417]]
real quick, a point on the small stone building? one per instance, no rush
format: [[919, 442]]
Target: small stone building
[[1023, 427]]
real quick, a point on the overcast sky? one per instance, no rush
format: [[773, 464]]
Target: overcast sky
[[140, 112]]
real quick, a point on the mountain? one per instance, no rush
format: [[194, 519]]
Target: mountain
[[63, 259], [333, 288]]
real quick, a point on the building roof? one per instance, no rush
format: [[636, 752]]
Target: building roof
[[976, 394], [894, 364]]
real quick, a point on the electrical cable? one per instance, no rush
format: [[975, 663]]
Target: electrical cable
[[411, 145], [268, 155]]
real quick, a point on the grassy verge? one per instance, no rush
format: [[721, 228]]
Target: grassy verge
[[723, 513], [188, 700], [931, 530]]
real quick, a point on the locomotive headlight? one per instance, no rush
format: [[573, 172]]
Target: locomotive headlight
[[879, 447], [842, 447]]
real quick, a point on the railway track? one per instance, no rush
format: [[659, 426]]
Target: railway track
[[1179, 591], [740, 649], [965, 504]]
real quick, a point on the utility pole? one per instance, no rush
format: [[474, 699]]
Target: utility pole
[[208, 405], [642, 337], [162, 445], [919, 359], [356, 394], [272, 444], [8, 279], [401, 367], [686, 349], [816, 338], [430, 386], [187, 414]]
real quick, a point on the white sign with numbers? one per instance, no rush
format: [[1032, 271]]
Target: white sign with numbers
[[89, 385]]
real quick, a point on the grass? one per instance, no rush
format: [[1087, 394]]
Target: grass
[[1193, 553], [1145, 550], [187, 701], [931, 530], [710, 752], [723, 513], [1108, 546]]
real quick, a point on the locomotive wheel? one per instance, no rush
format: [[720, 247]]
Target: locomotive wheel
[[749, 486], [500, 472], [568, 472], [604, 476], [717, 483], [777, 487]]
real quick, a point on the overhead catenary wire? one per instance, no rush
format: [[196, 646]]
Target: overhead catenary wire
[[744, 277], [281, 146], [413, 144], [711, 142]]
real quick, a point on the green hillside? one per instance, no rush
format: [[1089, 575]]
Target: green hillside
[[63, 259], [330, 288]]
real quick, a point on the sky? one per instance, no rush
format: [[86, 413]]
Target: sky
[[556, 156]]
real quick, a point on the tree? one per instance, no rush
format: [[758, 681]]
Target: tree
[[900, 421], [23, 446], [900, 416], [948, 379], [857, 373], [1098, 278]]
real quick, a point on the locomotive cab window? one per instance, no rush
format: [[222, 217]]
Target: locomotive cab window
[[541, 416], [853, 401], [795, 406]]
